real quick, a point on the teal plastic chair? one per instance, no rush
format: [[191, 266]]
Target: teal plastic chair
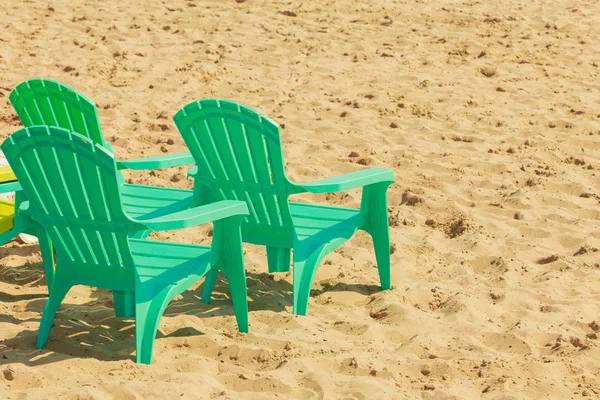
[[239, 157], [48, 102], [73, 192]]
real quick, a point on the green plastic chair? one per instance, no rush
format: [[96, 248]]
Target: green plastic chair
[[239, 157], [74, 193], [47, 102]]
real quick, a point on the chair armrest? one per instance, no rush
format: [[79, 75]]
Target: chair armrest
[[8, 187], [349, 181], [164, 161], [196, 216]]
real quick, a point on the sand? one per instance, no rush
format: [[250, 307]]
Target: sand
[[487, 111]]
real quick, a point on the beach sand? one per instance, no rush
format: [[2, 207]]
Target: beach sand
[[487, 111]]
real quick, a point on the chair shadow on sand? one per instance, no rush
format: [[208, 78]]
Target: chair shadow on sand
[[91, 330], [31, 274]]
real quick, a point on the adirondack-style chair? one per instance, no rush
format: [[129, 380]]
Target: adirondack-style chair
[[73, 192], [47, 102], [238, 156]]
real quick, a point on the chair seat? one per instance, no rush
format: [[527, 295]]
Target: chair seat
[[164, 262], [7, 214], [140, 201], [318, 223]]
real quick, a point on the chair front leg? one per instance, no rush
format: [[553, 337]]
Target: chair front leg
[[374, 204], [305, 268], [229, 256]]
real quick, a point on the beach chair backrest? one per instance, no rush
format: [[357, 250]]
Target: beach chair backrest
[[239, 157], [71, 185]]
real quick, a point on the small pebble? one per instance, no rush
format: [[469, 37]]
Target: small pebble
[[488, 71], [10, 374]]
